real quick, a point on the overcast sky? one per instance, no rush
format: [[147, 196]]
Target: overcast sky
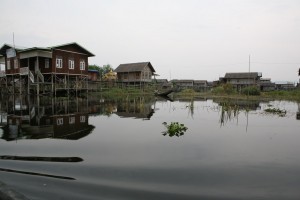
[[183, 39]]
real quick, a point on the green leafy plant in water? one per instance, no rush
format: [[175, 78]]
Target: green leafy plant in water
[[174, 129], [280, 113]]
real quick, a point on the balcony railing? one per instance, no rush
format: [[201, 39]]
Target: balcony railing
[[40, 75], [2, 74], [31, 76], [24, 71]]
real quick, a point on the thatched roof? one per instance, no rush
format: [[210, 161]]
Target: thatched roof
[[134, 67], [242, 75]]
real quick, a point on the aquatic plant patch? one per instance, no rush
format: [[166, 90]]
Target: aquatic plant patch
[[277, 111], [174, 129]]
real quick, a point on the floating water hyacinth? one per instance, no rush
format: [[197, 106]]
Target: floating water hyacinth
[[174, 129], [279, 112]]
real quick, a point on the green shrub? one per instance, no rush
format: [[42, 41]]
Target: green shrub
[[251, 90], [188, 92], [224, 89]]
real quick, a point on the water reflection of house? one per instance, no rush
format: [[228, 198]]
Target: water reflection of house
[[72, 126], [60, 119], [241, 104], [136, 108]]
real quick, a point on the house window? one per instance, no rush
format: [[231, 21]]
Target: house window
[[59, 62], [71, 64], [125, 76], [47, 63], [48, 122], [137, 75], [82, 119], [16, 63], [8, 63], [60, 121], [72, 120], [82, 65]]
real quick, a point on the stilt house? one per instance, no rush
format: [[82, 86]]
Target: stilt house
[[133, 73], [44, 69]]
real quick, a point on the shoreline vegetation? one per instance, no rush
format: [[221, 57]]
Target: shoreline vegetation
[[218, 92]]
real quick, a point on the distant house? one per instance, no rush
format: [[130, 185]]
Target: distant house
[[132, 73], [241, 80], [183, 83], [163, 83], [93, 74], [266, 84], [200, 85], [284, 85]]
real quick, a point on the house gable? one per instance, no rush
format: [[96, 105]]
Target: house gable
[[134, 67], [73, 47], [8, 46], [135, 72]]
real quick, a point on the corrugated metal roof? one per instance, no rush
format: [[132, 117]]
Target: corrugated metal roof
[[73, 43], [24, 49], [93, 70], [8, 46], [134, 67], [200, 81], [182, 80]]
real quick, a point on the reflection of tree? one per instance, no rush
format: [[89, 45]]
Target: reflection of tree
[[228, 112], [230, 109], [191, 107], [298, 113]]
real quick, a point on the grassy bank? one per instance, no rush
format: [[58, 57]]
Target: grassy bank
[[123, 92], [219, 92], [292, 95]]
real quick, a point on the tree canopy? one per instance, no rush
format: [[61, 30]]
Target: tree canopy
[[102, 70]]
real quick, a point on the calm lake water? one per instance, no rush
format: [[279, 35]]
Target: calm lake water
[[116, 149]]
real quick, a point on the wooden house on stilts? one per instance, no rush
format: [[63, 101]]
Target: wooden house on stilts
[[136, 74], [37, 70]]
